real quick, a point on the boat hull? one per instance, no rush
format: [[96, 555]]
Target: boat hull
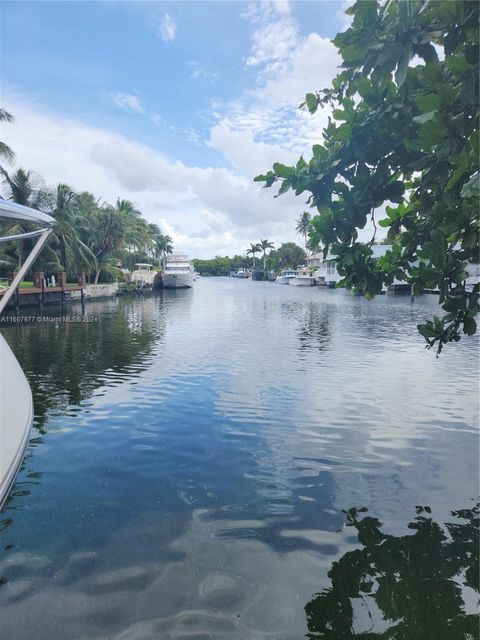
[[16, 417], [283, 280], [177, 280], [302, 282]]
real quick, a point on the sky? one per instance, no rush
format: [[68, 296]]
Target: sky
[[175, 106]]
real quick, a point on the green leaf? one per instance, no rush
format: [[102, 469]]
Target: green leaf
[[457, 174], [338, 114], [469, 326], [425, 117], [432, 133], [457, 63], [311, 101], [407, 55], [428, 102], [319, 151], [472, 188], [282, 171], [301, 164]]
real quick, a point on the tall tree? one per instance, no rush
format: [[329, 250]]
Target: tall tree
[[403, 137], [28, 189], [254, 248], [106, 236], [303, 225], [264, 245], [75, 255], [288, 256], [5, 151], [164, 247]]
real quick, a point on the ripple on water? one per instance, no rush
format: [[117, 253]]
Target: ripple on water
[[198, 449]]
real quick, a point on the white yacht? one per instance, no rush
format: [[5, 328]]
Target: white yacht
[[303, 278], [179, 273], [16, 404], [241, 273], [144, 275], [285, 277]]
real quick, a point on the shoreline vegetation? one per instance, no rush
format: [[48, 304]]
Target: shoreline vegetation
[[91, 235]]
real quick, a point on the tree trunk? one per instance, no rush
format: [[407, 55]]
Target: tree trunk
[[64, 254], [264, 261], [97, 275]]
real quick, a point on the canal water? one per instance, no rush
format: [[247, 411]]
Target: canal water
[[243, 461]]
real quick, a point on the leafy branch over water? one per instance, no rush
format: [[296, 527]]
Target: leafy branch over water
[[403, 137]]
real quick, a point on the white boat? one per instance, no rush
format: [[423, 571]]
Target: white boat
[[144, 275], [285, 277], [16, 404], [179, 273], [303, 278], [241, 273]]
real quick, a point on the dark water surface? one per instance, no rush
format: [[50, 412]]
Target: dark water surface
[[192, 455]]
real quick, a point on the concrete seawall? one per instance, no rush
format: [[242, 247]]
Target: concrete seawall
[[95, 291]]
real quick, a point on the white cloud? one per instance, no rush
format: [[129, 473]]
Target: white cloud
[[275, 33], [265, 124], [128, 101], [207, 211], [245, 155], [167, 29], [198, 71]]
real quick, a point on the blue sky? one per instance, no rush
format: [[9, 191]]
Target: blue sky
[[175, 105]]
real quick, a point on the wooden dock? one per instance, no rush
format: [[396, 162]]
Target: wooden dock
[[40, 294]]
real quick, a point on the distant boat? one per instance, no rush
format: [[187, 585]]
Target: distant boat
[[241, 273], [303, 278], [144, 275], [285, 277], [179, 273]]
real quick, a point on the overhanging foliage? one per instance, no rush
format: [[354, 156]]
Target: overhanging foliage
[[403, 138]]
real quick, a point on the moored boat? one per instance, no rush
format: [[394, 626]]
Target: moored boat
[[144, 275], [303, 278], [179, 273], [285, 277]]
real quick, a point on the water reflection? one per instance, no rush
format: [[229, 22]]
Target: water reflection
[[66, 362], [198, 448], [423, 585]]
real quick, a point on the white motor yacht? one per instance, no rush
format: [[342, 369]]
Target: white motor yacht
[[16, 404], [285, 277], [179, 273], [303, 278], [241, 273], [144, 275]]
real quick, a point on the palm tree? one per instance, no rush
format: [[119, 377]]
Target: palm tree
[[264, 245], [5, 151], [107, 233], [70, 224], [26, 188], [303, 225], [254, 248], [164, 247]]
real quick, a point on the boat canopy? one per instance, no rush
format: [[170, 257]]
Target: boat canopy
[[45, 223]]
